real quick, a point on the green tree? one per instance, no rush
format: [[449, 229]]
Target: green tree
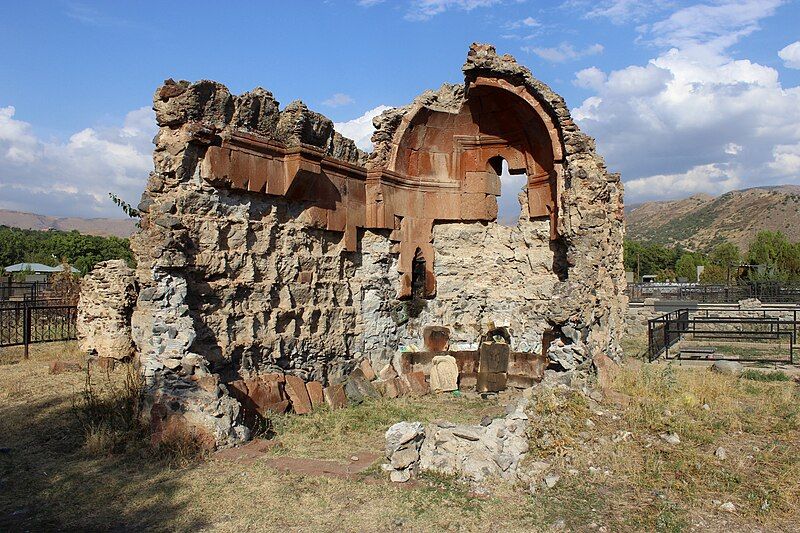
[[686, 266], [713, 274], [726, 255], [780, 258]]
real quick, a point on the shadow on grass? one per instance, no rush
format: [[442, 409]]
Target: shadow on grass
[[49, 482]]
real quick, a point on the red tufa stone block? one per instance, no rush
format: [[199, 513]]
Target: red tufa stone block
[[335, 396], [436, 338], [267, 395], [417, 383], [387, 389], [366, 368], [298, 395], [402, 386], [60, 367], [315, 393]]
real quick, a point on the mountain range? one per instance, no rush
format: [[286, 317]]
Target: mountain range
[[702, 221], [105, 227]]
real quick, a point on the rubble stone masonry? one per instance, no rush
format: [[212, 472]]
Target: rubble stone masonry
[[270, 243]]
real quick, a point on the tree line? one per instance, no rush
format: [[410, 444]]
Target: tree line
[[770, 257], [55, 247]]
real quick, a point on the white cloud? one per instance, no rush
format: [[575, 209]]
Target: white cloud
[[564, 52], [694, 118], [338, 100], [620, 11], [590, 78], [715, 26], [733, 148], [73, 178], [527, 22], [709, 179], [791, 55], [425, 9], [360, 129]]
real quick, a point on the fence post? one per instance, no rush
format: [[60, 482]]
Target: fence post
[[26, 328]]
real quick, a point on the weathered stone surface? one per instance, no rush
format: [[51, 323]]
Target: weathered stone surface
[[436, 338], [476, 453], [335, 396], [358, 388], [108, 294], [403, 442], [315, 393], [60, 367], [729, 368], [416, 383], [298, 395], [366, 368], [444, 374], [249, 257]]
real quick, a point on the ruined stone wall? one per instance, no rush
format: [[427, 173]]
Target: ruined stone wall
[[108, 294], [261, 251]]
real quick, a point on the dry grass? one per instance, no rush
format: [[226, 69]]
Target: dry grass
[[56, 475]]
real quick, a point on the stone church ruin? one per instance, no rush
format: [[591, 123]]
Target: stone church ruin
[[278, 264]]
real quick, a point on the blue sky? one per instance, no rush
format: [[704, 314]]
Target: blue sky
[[683, 97]]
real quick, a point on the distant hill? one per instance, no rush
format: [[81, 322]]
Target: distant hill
[[702, 221], [104, 227]]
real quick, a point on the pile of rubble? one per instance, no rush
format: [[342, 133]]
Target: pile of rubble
[[492, 449]]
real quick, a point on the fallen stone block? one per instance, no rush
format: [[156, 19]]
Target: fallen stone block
[[335, 396], [358, 387], [60, 367], [387, 372], [387, 388], [315, 393], [402, 386], [366, 368], [728, 368], [298, 395], [417, 384]]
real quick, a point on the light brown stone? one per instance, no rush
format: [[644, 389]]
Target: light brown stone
[[315, 393], [298, 395], [335, 396], [60, 367], [366, 368], [444, 374]]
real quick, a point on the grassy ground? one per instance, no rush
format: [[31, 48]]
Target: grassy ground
[[55, 475]]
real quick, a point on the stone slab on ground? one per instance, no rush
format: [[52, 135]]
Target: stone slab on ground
[[60, 367], [358, 388], [296, 389], [315, 393], [417, 384], [321, 467], [335, 396], [249, 453]]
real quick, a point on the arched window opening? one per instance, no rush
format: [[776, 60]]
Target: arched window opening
[[417, 303], [508, 206]]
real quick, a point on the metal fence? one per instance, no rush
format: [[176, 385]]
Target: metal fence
[[767, 292], [23, 325], [742, 335], [23, 291]]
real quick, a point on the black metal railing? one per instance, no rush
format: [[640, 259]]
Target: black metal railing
[[766, 292], [24, 325], [742, 335], [23, 291]]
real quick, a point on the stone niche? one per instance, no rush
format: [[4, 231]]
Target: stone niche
[[270, 243]]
